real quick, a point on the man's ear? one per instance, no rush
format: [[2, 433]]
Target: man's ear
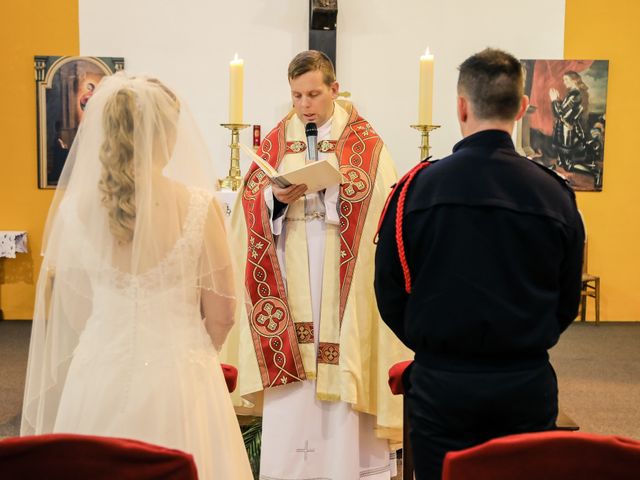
[[463, 109], [524, 104], [335, 88]]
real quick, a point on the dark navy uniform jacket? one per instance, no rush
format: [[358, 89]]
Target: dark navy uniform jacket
[[494, 244]]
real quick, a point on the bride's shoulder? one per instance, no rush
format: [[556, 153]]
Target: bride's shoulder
[[200, 194], [188, 196], [202, 204]]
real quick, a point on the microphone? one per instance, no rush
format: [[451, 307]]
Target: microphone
[[312, 141]]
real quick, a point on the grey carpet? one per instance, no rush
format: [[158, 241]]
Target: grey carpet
[[598, 373], [14, 344]]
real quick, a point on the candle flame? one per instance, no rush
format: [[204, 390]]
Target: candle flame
[[427, 52], [235, 57]]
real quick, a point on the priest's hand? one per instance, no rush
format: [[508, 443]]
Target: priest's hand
[[289, 194]]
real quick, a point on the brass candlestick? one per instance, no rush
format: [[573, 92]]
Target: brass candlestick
[[234, 179], [424, 146]]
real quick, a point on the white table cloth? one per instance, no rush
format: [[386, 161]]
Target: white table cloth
[[12, 242]]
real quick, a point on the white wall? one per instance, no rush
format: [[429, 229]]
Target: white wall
[[189, 43], [379, 47]]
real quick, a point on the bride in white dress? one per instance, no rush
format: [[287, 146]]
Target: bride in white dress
[[135, 294]]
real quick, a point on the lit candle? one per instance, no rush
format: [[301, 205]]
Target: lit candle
[[425, 96], [236, 79]]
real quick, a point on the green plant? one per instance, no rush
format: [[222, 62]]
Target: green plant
[[252, 436]]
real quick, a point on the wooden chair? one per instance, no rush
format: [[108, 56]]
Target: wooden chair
[[590, 288]]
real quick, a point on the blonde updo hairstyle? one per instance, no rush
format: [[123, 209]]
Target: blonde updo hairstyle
[[117, 155], [117, 182]]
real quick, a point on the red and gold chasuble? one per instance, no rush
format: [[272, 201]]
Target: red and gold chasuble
[[273, 330]]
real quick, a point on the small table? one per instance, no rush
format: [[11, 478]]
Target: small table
[[12, 242]]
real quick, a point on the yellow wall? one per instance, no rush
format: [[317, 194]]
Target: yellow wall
[[27, 28], [608, 30]]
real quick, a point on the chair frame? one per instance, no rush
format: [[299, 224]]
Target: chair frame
[[590, 288]]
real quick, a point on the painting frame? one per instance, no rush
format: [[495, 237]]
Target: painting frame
[[64, 85], [564, 127]]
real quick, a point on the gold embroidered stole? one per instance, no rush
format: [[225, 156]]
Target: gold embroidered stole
[[280, 320]]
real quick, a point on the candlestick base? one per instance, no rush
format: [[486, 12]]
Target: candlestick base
[[233, 181], [424, 145]]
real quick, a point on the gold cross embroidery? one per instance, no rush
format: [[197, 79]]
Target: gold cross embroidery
[[326, 146], [297, 147], [271, 317], [355, 185], [254, 183]]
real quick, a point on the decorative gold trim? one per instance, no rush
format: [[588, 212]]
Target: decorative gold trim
[[296, 147], [304, 332], [327, 146], [329, 353]]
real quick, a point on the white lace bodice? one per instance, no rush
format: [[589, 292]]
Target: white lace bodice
[[156, 311], [178, 267]]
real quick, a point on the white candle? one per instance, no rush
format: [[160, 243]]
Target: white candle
[[236, 80], [425, 95]]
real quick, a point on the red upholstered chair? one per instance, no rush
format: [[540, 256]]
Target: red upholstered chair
[[553, 455], [397, 388], [76, 457], [230, 376]]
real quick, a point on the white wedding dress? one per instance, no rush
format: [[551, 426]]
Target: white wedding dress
[[145, 366]]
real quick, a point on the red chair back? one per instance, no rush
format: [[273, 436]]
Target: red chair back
[[395, 377], [555, 455], [70, 457], [230, 376]]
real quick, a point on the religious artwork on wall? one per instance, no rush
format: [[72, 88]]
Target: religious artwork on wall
[[564, 126], [64, 86]]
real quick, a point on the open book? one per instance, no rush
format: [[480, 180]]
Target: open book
[[315, 175]]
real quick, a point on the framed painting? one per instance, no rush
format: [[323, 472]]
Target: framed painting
[[64, 86], [564, 127]]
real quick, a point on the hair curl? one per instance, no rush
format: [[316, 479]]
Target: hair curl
[[117, 182]]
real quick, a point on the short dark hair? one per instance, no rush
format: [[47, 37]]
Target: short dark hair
[[493, 81], [309, 61]]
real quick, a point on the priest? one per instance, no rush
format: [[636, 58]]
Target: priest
[[311, 338]]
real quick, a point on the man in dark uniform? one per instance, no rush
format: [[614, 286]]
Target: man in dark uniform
[[481, 276]]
